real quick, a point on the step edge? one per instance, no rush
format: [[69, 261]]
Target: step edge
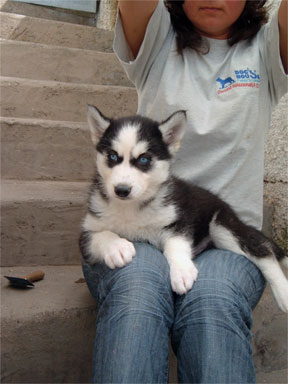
[[50, 21], [43, 123], [24, 191], [58, 47], [51, 84]]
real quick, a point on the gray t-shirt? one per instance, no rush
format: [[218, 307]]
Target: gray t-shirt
[[228, 94]]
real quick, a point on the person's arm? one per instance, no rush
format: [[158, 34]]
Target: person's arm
[[283, 32], [135, 16]]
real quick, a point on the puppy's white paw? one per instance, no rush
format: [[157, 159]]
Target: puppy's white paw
[[183, 277], [118, 253]]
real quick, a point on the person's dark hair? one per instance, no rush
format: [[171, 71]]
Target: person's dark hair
[[254, 15]]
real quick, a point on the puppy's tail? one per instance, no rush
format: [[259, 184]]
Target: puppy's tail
[[284, 262], [253, 244], [274, 275]]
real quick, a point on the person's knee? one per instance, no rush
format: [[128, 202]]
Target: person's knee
[[232, 274], [142, 284], [227, 289], [146, 278]]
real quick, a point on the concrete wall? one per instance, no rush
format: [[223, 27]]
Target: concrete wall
[[276, 167], [276, 172]]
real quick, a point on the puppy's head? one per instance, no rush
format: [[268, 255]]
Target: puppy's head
[[133, 154]]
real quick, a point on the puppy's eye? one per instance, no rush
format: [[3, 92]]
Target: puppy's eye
[[144, 160], [113, 157]]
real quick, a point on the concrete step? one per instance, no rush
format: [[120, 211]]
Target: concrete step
[[50, 32], [49, 13], [274, 377], [34, 149], [63, 64], [63, 101], [41, 222], [47, 331]]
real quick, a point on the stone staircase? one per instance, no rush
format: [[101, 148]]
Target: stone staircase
[[50, 71]]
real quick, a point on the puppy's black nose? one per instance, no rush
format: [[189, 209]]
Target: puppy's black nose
[[122, 190]]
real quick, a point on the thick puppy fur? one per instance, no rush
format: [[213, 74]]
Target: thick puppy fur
[[134, 197]]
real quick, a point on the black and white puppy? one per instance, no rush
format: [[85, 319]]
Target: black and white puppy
[[135, 197]]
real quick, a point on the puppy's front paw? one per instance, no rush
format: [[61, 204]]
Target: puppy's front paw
[[118, 253], [183, 277]]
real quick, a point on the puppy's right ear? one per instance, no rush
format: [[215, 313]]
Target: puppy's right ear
[[98, 123], [173, 130]]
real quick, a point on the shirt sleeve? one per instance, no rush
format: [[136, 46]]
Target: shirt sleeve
[[270, 46], [157, 31]]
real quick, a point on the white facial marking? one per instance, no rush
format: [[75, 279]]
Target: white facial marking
[[140, 148], [125, 141]]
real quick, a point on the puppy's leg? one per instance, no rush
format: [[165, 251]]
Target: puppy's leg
[[106, 246], [183, 272], [251, 243]]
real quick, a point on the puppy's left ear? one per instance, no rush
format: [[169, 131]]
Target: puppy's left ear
[[98, 123], [173, 130]]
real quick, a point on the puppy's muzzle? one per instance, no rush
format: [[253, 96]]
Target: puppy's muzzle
[[122, 190]]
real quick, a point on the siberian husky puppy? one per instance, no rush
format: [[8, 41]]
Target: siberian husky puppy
[[134, 197]]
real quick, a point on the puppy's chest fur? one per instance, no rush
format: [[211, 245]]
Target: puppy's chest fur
[[131, 221]]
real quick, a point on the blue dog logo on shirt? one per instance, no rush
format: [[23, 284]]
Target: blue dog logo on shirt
[[245, 78], [226, 82]]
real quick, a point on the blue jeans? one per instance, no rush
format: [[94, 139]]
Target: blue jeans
[[209, 326]]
